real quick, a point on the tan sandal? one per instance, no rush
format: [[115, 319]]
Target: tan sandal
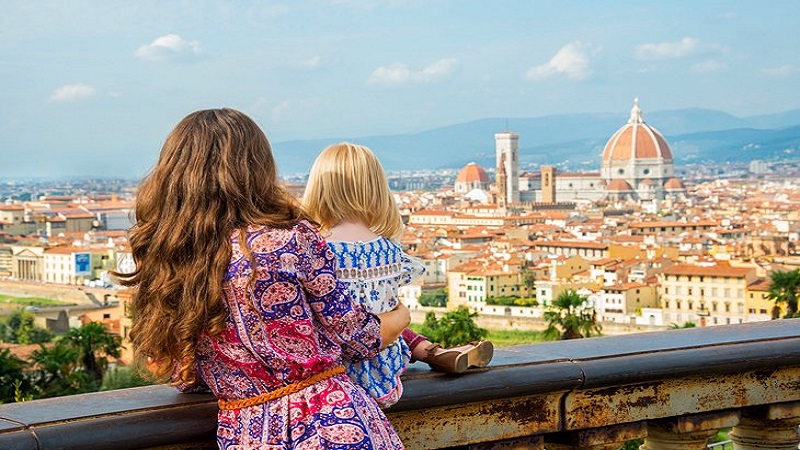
[[459, 359]]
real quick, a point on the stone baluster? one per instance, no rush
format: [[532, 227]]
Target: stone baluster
[[772, 427], [687, 432], [605, 438]]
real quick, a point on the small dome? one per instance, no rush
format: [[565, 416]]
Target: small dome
[[472, 173], [647, 182], [619, 186], [674, 184], [602, 183], [637, 140], [477, 195]]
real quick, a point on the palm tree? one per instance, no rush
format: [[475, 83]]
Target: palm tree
[[94, 345], [12, 376], [570, 318], [56, 371], [785, 288]]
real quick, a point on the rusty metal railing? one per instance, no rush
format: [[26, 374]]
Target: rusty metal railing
[[595, 393]]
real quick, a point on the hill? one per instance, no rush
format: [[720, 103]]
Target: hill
[[694, 134]]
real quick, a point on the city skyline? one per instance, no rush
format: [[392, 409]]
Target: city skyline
[[93, 88]]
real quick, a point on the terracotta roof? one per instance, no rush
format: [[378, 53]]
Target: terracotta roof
[[571, 244], [619, 185], [472, 173], [719, 270], [674, 184], [761, 284]]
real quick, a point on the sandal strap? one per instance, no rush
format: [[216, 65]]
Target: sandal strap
[[431, 350]]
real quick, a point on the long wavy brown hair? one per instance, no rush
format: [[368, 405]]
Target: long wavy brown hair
[[215, 175]]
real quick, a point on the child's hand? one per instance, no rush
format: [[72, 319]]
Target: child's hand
[[393, 323], [403, 309]]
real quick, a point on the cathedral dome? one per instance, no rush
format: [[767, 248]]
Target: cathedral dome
[[619, 186], [674, 184], [472, 173], [636, 140]]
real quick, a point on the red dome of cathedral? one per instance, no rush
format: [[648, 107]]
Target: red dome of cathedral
[[636, 140], [619, 186], [472, 173], [674, 184]]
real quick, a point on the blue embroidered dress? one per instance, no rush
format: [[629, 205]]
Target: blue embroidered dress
[[373, 271]]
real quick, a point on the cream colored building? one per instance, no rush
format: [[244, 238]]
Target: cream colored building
[[12, 220], [711, 294], [759, 308], [470, 284], [622, 303], [59, 264]]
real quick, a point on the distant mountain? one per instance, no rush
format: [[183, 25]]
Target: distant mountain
[[779, 120], [694, 134]]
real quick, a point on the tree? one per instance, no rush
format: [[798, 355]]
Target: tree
[[529, 279], [453, 329], [436, 298], [675, 326], [569, 318], [56, 371], [124, 377], [785, 288], [12, 376], [19, 328], [94, 345]]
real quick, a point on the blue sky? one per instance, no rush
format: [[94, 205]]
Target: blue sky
[[93, 87]]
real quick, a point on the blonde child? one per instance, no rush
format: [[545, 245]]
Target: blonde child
[[236, 292], [348, 196]]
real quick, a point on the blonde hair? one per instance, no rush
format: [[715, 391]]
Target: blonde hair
[[347, 182]]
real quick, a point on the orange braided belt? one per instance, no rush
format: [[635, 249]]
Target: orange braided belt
[[281, 392]]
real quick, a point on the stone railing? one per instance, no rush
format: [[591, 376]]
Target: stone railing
[[673, 388]]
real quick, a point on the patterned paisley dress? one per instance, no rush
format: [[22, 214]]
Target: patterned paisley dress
[[296, 320], [373, 271]]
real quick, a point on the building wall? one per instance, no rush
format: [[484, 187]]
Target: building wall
[[548, 184], [704, 300]]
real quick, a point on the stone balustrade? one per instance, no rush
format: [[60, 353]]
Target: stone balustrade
[[673, 388]]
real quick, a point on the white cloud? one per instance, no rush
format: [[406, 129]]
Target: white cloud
[[686, 47], [312, 63], [169, 46], [439, 70], [399, 73], [709, 66], [572, 60], [72, 93], [782, 71]]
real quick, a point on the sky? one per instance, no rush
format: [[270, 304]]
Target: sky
[[92, 88]]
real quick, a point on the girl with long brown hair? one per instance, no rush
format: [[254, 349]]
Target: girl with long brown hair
[[237, 292]]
